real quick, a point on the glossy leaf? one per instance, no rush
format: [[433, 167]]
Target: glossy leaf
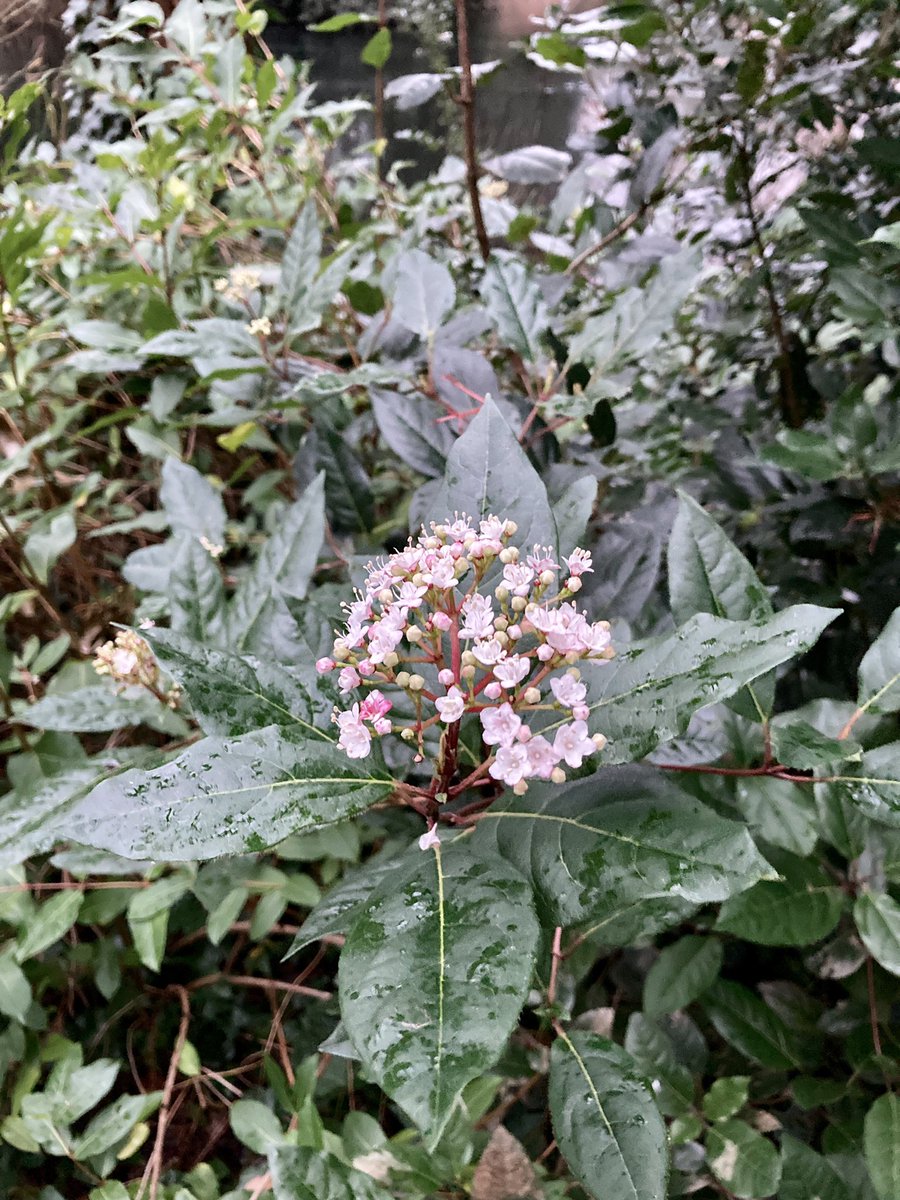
[[284, 565], [805, 1173], [622, 854], [743, 1160], [605, 1120], [682, 972], [881, 1140], [230, 695], [433, 975], [224, 796], [299, 1173], [424, 293], [877, 917], [193, 505], [801, 908], [879, 671], [515, 304], [410, 426], [749, 1025], [487, 472], [648, 695], [99, 709]]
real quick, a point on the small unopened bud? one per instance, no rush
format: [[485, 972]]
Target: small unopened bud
[[402, 679], [386, 596], [414, 634], [323, 665], [518, 603], [558, 775], [572, 656], [520, 788], [509, 554], [501, 592], [532, 695], [468, 672], [493, 691], [514, 632], [501, 624], [416, 683], [418, 579], [391, 659], [574, 672], [441, 621], [407, 733], [545, 652], [510, 528], [547, 578], [501, 637], [573, 583], [599, 740], [446, 677], [468, 658]]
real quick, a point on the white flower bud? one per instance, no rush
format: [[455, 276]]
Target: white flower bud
[[402, 679], [407, 733], [414, 634], [418, 579], [386, 596], [532, 695], [501, 592], [341, 652], [510, 528], [391, 659], [573, 583], [501, 624], [572, 656], [520, 788], [468, 672], [468, 658], [547, 578], [509, 554], [599, 740], [558, 775], [416, 683], [574, 672], [519, 603], [501, 637]]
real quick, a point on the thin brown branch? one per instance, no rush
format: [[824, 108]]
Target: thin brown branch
[[155, 1164], [466, 101]]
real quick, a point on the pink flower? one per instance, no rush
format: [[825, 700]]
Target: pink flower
[[478, 617], [366, 667], [355, 740], [430, 839], [348, 679], [452, 706], [323, 665], [382, 726], [542, 757], [442, 572], [512, 670], [579, 562], [573, 744], [568, 691], [374, 706], [410, 596], [541, 559], [441, 621], [518, 577], [488, 652], [511, 765], [581, 712], [500, 725]]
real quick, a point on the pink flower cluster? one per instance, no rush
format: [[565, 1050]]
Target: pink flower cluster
[[439, 622]]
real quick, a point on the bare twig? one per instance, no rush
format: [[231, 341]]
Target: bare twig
[[466, 101], [155, 1163]]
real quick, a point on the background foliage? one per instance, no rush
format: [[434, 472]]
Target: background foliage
[[240, 352]]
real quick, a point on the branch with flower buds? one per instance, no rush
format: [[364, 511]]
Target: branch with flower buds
[[485, 644]]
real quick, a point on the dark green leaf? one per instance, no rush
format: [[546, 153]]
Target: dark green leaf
[[743, 1160], [877, 917], [605, 1120], [882, 1145], [682, 972], [802, 908], [749, 1025]]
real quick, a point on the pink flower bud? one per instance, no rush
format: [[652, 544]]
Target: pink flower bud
[[545, 652], [441, 621], [366, 667], [382, 725], [581, 712], [324, 665], [493, 691], [446, 677]]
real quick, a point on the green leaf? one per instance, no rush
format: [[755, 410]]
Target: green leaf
[[48, 541], [879, 671], [798, 744], [752, 74], [743, 1160], [343, 903], [285, 565], [648, 695], [340, 21], [488, 472], [682, 972], [433, 975], [707, 573], [231, 696], [802, 908], [27, 818], [112, 1126], [872, 786], [410, 427], [197, 593], [15, 990], [299, 1173], [52, 919], [99, 709], [556, 48], [605, 1120], [572, 512], [349, 500], [726, 1097], [877, 917], [229, 69], [423, 294], [623, 854], [193, 505], [654, 1053], [76, 1089], [377, 49], [805, 1173], [881, 1142], [255, 1125], [224, 796], [300, 264], [754, 1029], [779, 812], [515, 304]]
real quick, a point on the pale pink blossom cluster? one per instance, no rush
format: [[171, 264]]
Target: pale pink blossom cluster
[[465, 623]]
